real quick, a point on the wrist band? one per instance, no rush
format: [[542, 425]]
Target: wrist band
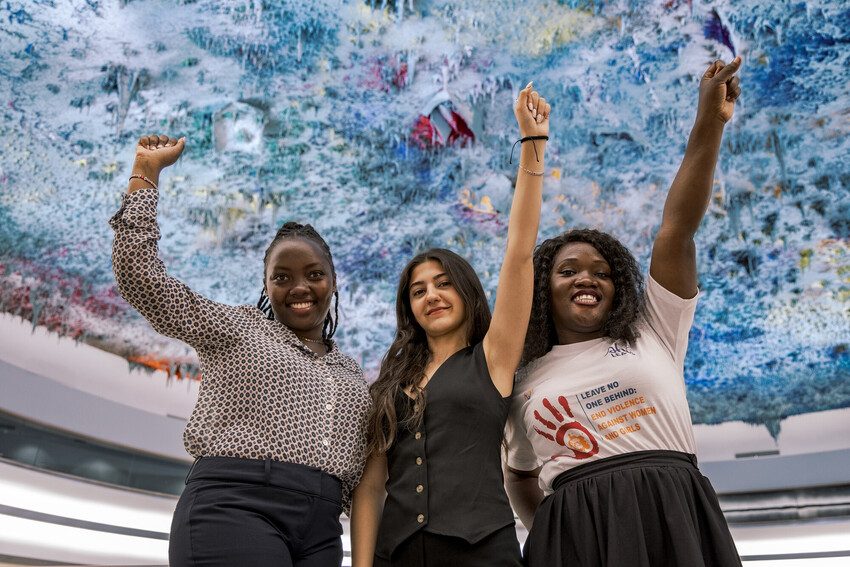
[[143, 178], [527, 138], [534, 173]]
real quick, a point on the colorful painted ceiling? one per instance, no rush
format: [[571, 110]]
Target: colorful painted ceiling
[[387, 124]]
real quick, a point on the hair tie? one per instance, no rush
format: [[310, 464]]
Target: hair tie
[[527, 138]]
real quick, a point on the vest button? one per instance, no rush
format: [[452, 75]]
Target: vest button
[[418, 435], [418, 460], [419, 488], [420, 518]]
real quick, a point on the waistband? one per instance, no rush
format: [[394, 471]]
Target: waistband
[[267, 472], [637, 459]]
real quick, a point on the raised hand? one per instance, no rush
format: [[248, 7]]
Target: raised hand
[[532, 113], [153, 154], [719, 90], [156, 153]]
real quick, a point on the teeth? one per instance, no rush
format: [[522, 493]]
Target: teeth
[[586, 298], [301, 305]]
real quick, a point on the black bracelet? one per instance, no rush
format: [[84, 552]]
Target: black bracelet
[[527, 138]]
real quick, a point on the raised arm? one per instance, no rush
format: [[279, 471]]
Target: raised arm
[[674, 252], [366, 508], [504, 341], [168, 304]]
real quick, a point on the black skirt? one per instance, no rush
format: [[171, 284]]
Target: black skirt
[[642, 509]]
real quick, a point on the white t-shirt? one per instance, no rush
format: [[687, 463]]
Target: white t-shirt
[[586, 401]]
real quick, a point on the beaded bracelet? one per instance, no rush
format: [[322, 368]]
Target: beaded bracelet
[[143, 178], [535, 173]]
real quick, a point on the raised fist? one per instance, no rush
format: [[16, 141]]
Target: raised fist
[[718, 90], [155, 153], [532, 113]]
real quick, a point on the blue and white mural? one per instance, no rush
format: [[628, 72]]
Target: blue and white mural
[[387, 124]]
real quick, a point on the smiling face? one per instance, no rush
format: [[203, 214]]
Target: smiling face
[[435, 302], [582, 293], [300, 284]]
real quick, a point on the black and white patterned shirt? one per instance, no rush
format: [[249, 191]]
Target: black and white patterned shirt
[[264, 395]]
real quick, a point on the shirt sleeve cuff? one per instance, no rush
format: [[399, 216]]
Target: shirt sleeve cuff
[[138, 209]]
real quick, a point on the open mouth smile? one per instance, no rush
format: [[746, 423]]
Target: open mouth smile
[[586, 297], [301, 306]]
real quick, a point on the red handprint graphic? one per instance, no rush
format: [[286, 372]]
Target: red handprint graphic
[[570, 434]]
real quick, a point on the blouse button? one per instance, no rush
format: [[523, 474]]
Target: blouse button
[[418, 435], [418, 460], [420, 518], [329, 406], [325, 442], [419, 488]]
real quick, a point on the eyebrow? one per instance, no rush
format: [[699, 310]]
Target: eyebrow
[[308, 266], [419, 282], [565, 260]]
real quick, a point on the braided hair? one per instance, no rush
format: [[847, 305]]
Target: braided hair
[[298, 230], [628, 304]]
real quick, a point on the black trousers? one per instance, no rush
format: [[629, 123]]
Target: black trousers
[[423, 549], [246, 513]]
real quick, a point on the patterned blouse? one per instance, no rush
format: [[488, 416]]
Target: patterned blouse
[[264, 394]]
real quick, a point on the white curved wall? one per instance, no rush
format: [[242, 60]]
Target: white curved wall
[[75, 387]]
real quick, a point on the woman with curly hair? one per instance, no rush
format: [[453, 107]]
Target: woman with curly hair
[[600, 460], [433, 492]]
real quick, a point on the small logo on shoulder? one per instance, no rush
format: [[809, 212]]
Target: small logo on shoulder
[[619, 350]]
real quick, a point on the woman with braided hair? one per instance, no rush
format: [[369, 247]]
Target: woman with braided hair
[[278, 431], [600, 460]]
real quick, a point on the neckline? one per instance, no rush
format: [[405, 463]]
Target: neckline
[[293, 339], [574, 349], [434, 375]]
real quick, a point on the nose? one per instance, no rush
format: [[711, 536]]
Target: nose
[[584, 279], [299, 287], [431, 294]]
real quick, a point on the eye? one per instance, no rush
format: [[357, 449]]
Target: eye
[[280, 278], [602, 275], [316, 275], [444, 283], [417, 292], [567, 272]]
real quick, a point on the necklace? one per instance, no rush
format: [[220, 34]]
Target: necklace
[[317, 341]]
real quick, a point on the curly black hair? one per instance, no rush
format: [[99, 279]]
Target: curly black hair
[[628, 305], [306, 231]]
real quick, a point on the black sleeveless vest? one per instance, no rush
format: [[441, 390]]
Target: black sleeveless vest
[[446, 476]]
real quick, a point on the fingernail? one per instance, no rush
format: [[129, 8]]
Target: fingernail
[[528, 86]]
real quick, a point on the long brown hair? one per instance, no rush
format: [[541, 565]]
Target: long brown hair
[[403, 366]]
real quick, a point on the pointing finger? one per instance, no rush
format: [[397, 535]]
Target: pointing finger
[[729, 70]]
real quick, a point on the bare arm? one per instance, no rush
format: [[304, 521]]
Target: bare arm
[[674, 253], [366, 510], [506, 336], [524, 493]]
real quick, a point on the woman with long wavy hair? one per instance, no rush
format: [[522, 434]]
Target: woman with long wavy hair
[[600, 424], [432, 493]]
